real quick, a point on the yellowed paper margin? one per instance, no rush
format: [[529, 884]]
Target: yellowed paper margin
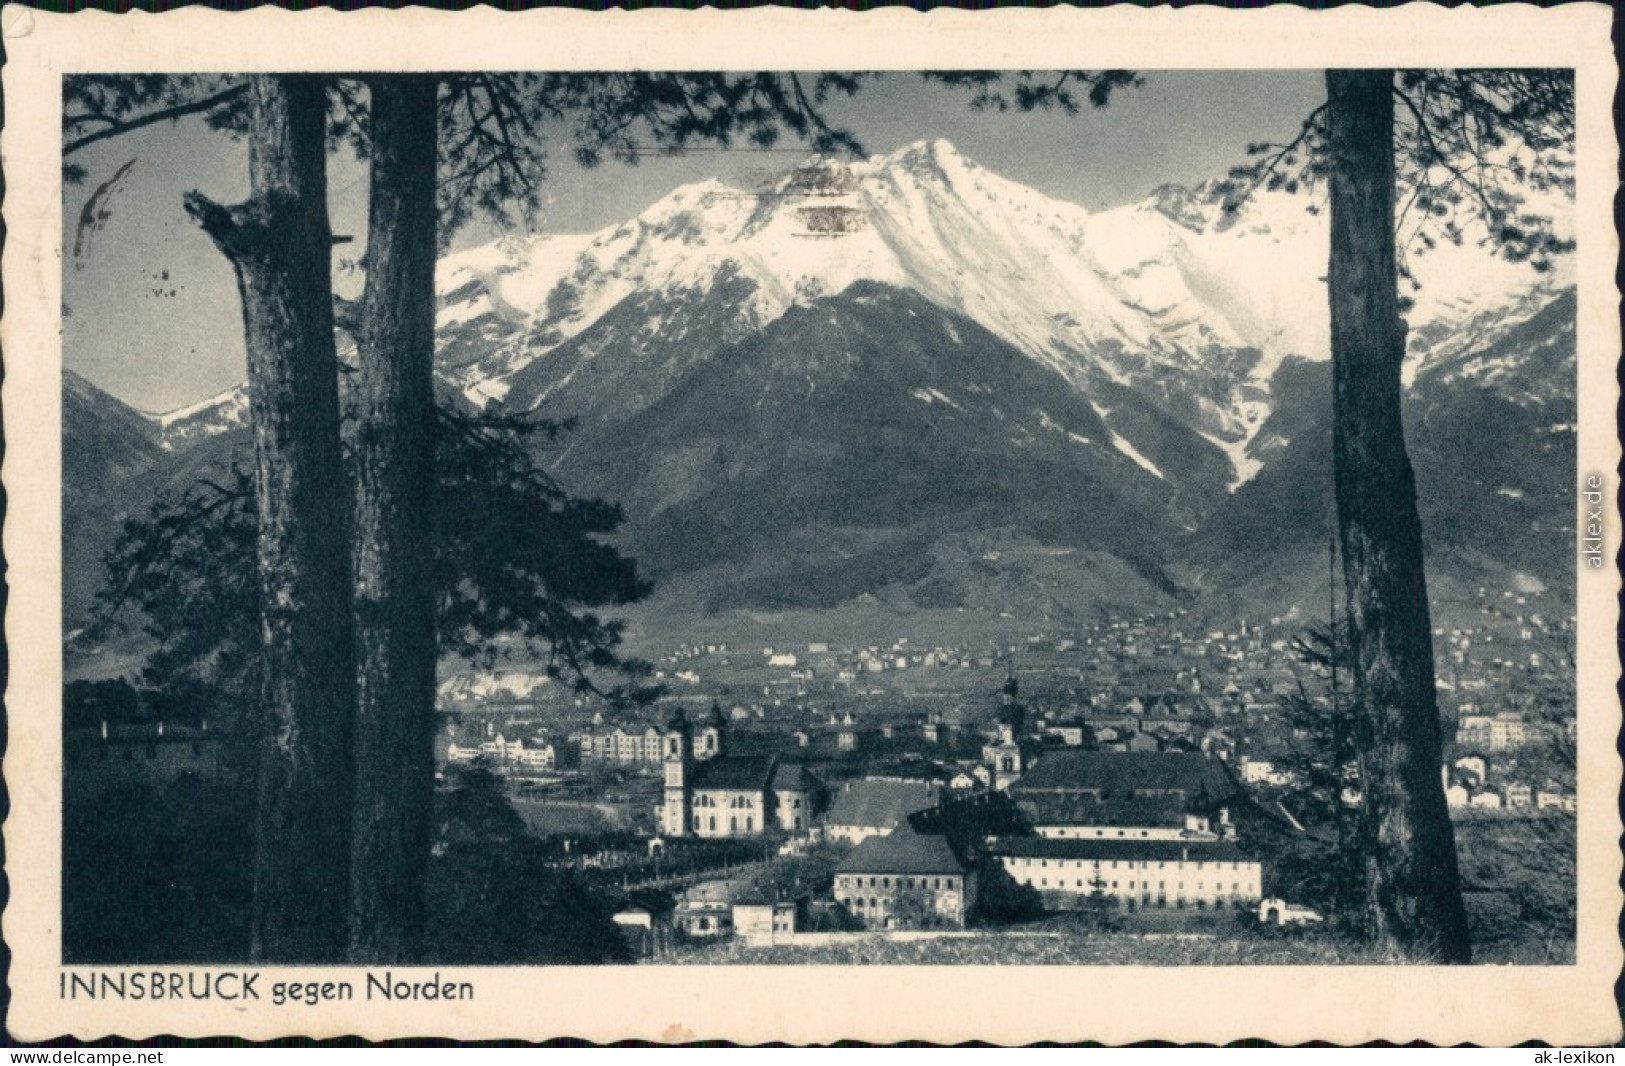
[[1492, 1006]]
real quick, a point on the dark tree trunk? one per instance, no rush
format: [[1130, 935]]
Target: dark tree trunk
[[280, 245], [1412, 878], [395, 587]]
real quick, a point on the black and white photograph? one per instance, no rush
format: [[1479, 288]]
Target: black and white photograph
[[793, 516]]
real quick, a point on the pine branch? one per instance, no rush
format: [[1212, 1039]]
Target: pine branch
[[1265, 170], [168, 114]]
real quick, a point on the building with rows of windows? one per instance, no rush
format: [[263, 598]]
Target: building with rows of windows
[[1138, 874], [906, 880], [1148, 829], [633, 747]]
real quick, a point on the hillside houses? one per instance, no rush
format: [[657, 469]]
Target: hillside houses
[[1129, 772], [1263, 772], [1147, 829]]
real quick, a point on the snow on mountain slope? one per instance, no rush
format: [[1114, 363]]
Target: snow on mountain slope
[[923, 218], [207, 418], [1168, 296]]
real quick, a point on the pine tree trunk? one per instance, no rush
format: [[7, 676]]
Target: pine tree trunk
[[280, 246], [395, 586], [1412, 878]]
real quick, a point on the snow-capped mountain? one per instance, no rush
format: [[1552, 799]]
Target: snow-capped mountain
[[1169, 297], [203, 420], [855, 379], [1189, 309]]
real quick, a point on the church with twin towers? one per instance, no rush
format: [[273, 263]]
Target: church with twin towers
[[714, 794]]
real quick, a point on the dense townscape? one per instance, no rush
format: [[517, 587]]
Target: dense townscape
[[1144, 775]]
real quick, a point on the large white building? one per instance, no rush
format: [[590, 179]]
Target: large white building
[[507, 755], [1138, 874], [873, 807], [634, 746], [1149, 829]]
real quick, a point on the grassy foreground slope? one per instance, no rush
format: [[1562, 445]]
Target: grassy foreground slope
[[1068, 949]]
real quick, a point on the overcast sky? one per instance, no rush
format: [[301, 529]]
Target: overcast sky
[[152, 308]]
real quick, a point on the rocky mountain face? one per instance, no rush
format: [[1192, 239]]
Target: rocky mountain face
[[106, 446], [108, 449], [115, 462], [1491, 439], [854, 380]]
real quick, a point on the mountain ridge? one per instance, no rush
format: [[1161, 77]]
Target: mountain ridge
[[1146, 294], [836, 385]]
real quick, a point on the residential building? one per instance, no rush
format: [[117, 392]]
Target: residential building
[[118, 754], [905, 880], [507, 756], [1190, 779], [766, 921], [1150, 829], [704, 918], [1472, 770]]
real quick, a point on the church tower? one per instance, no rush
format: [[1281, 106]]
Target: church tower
[[1007, 759], [675, 817], [709, 743]]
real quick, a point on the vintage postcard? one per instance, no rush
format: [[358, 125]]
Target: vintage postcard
[[797, 526]]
